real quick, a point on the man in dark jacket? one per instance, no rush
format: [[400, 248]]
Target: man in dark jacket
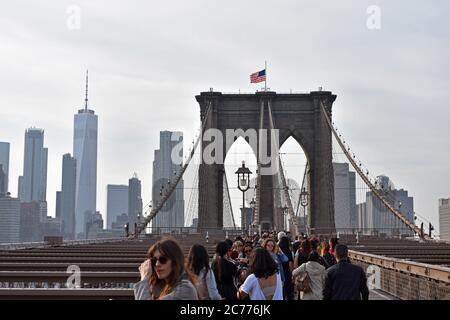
[[345, 281]]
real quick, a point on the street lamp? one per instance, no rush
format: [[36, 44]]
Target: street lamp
[[243, 175], [285, 211], [304, 202], [253, 206], [137, 225]]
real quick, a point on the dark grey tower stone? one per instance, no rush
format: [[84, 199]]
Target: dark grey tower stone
[[296, 115]]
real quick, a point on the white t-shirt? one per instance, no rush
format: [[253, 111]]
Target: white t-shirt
[[252, 288]]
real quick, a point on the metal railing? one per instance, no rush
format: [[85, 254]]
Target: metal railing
[[45, 244], [159, 231], [404, 279]]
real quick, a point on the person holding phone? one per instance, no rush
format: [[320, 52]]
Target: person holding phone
[[163, 276]]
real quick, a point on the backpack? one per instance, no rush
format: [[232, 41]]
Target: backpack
[[202, 288], [303, 282]]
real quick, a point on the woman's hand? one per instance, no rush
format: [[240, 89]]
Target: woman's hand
[[145, 269]]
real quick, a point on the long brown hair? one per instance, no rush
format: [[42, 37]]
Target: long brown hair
[[325, 247], [262, 265], [275, 246], [198, 260], [171, 249], [221, 250]]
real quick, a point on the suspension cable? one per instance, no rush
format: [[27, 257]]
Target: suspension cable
[[287, 198], [175, 181], [372, 187]]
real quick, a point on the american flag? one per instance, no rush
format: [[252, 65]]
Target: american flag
[[258, 76]]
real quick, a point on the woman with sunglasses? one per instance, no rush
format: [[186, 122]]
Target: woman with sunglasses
[[244, 260], [163, 276], [271, 246]]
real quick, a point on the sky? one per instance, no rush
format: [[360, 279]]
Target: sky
[[148, 59]]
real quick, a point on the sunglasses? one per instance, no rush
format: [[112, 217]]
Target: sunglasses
[[161, 259]]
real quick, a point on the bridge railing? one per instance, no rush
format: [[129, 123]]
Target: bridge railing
[[23, 245], [66, 294], [45, 244], [203, 232], [404, 279]]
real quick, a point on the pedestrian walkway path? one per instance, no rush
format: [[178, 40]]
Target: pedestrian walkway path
[[380, 295]]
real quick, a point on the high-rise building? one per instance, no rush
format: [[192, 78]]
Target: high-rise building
[[20, 193], [444, 219], [379, 220], [134, 202], [58, 205], [2, 182], [120, 222], [94, 225], [361, 210], [9, 219], [4, 167], [166, 165], [33, 184], [68, 188], [117, 202], [51, 227], [344, 198], [85, 152], [30, 222]]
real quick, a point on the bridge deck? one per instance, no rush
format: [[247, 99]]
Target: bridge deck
[[109, 270]]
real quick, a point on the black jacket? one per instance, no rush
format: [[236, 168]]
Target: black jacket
[[345, 281]]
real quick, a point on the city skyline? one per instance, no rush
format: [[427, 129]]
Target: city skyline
[[398, 95]]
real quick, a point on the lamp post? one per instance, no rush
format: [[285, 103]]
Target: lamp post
[[253, 206], [137, 226], [243, 175], [304, 202], [285, 215], [126, 227]]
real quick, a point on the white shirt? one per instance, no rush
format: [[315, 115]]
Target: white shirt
[[211, 283], [252, 288]]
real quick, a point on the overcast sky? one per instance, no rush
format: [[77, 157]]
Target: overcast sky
[[148, 59]]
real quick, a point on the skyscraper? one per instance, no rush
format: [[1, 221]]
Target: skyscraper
[[33, 184], [134, 201], [165, 166], [2, 182], [20, 194], [9, 219], [344, 197], [68, 185], [444, 219], [117, 202], [4, 163], [58, 205], [85, 152], [379, 220], [30, 221]]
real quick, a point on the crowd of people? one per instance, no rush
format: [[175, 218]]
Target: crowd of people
[[268, 267]]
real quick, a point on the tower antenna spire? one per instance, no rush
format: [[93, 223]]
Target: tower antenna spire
[[86, 98]]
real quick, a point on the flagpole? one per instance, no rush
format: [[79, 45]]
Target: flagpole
[[265, 81]]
